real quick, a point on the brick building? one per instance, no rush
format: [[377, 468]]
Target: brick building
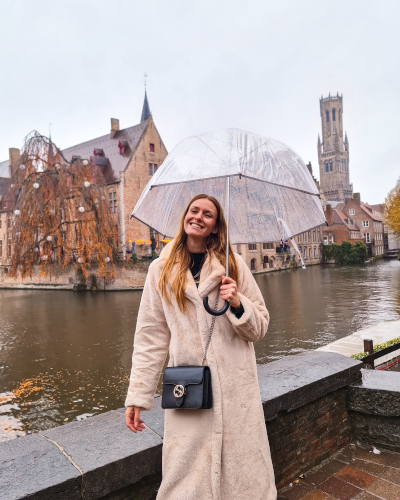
[[370, 223], [127, 158], [340, 227]]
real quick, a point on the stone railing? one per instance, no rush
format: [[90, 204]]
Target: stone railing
[[309, 400]]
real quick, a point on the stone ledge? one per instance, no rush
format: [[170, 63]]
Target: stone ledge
[[109, 455], [378, 393], [31, 467], [294, 381], [111, 462]]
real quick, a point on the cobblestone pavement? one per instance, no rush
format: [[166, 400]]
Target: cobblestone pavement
[[355, 473]]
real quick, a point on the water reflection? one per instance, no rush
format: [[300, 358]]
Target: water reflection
[[66, 356]]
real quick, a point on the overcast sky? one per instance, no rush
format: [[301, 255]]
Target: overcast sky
[[257, 65]]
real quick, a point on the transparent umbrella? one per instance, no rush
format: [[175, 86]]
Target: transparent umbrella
[[272, 194]]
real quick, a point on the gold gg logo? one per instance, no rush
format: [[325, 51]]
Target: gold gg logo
[[179, 391]]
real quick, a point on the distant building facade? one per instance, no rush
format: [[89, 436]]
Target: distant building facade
[[333, 151], [127, 158], [341, 227]]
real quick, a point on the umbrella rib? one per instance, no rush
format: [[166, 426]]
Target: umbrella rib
[[211, 149], [235, 175]]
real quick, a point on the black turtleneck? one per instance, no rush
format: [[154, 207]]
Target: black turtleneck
[[198, 261]]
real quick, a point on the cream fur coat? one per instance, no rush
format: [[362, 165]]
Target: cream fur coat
[[221, 453]]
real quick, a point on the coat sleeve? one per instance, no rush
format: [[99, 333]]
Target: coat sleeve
[[253, 324], [151, 344]]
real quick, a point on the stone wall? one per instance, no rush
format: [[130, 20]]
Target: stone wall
[[303, 397], [128, 276], [374, 406]]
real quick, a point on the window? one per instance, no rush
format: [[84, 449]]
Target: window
[[332, 239], [305, 251], [333, 114], [309, 252], [150, 169], [9, 247], [313, 235], [252, 246], [309, 235], [253, 265], [367, 238], [265, 262], [0, 221], [352, 211], [319, 235], [330, 166], [239, 248], [1, 248], [299, 238], [325, 240], [113, 201], [326, 166], [365, 223], [327, 116], [151, 148], [271, 263], [154, 167], [268, 246], [315, 252]]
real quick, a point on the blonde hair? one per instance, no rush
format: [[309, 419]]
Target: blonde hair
[[215, 245]]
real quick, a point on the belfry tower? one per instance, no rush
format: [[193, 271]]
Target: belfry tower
[[333, 152]]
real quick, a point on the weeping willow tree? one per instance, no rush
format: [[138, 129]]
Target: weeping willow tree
[[60, 214]]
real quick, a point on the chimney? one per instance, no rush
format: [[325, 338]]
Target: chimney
[[328, 215], [309, 167], [15, 160], [114, 127], [357, 198]]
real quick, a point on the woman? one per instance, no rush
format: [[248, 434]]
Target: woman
[[221, 453]]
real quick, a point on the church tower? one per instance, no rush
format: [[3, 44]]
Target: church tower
[[333, 152]]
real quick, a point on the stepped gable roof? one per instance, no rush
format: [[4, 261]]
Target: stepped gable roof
[[4, 171], [368, 210], [339, 217], [112, 162], [5, 183]]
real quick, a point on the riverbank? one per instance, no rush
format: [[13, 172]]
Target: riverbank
[[129, 276]]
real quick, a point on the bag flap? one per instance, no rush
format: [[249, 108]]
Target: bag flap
[[184, 375]]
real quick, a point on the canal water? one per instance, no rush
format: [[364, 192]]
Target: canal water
[[66, 356]]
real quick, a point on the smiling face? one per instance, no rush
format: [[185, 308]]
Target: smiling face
[[201, 219]]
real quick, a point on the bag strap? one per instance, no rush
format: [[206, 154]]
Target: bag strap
[[211, 331]]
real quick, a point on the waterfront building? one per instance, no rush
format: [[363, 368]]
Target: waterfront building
[[127, 158], [370, 223], [340, 227], [309, 243], [333, 151]]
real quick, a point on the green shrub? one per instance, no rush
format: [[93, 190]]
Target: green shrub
[[346, 253]]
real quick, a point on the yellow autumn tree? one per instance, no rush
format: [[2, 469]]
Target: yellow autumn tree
[[392, 210]]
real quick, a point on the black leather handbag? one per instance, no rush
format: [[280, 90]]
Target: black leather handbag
[[188, 387]]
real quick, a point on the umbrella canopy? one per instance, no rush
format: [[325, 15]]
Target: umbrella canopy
[[272, 194]]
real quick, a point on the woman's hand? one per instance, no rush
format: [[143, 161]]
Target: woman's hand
[[229, 292], [132, 418]]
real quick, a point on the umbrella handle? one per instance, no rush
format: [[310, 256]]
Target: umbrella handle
[[212, 311]]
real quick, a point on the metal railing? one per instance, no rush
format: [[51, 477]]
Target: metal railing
[[369, 361]]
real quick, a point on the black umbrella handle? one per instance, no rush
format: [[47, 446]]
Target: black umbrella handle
[[213, 312]]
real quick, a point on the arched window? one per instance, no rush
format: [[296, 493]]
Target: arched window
[[333, 114], [309, 252], [265, 263], [330, 166], [253, 265], [327, 116], [326, 166], [271, 263]]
